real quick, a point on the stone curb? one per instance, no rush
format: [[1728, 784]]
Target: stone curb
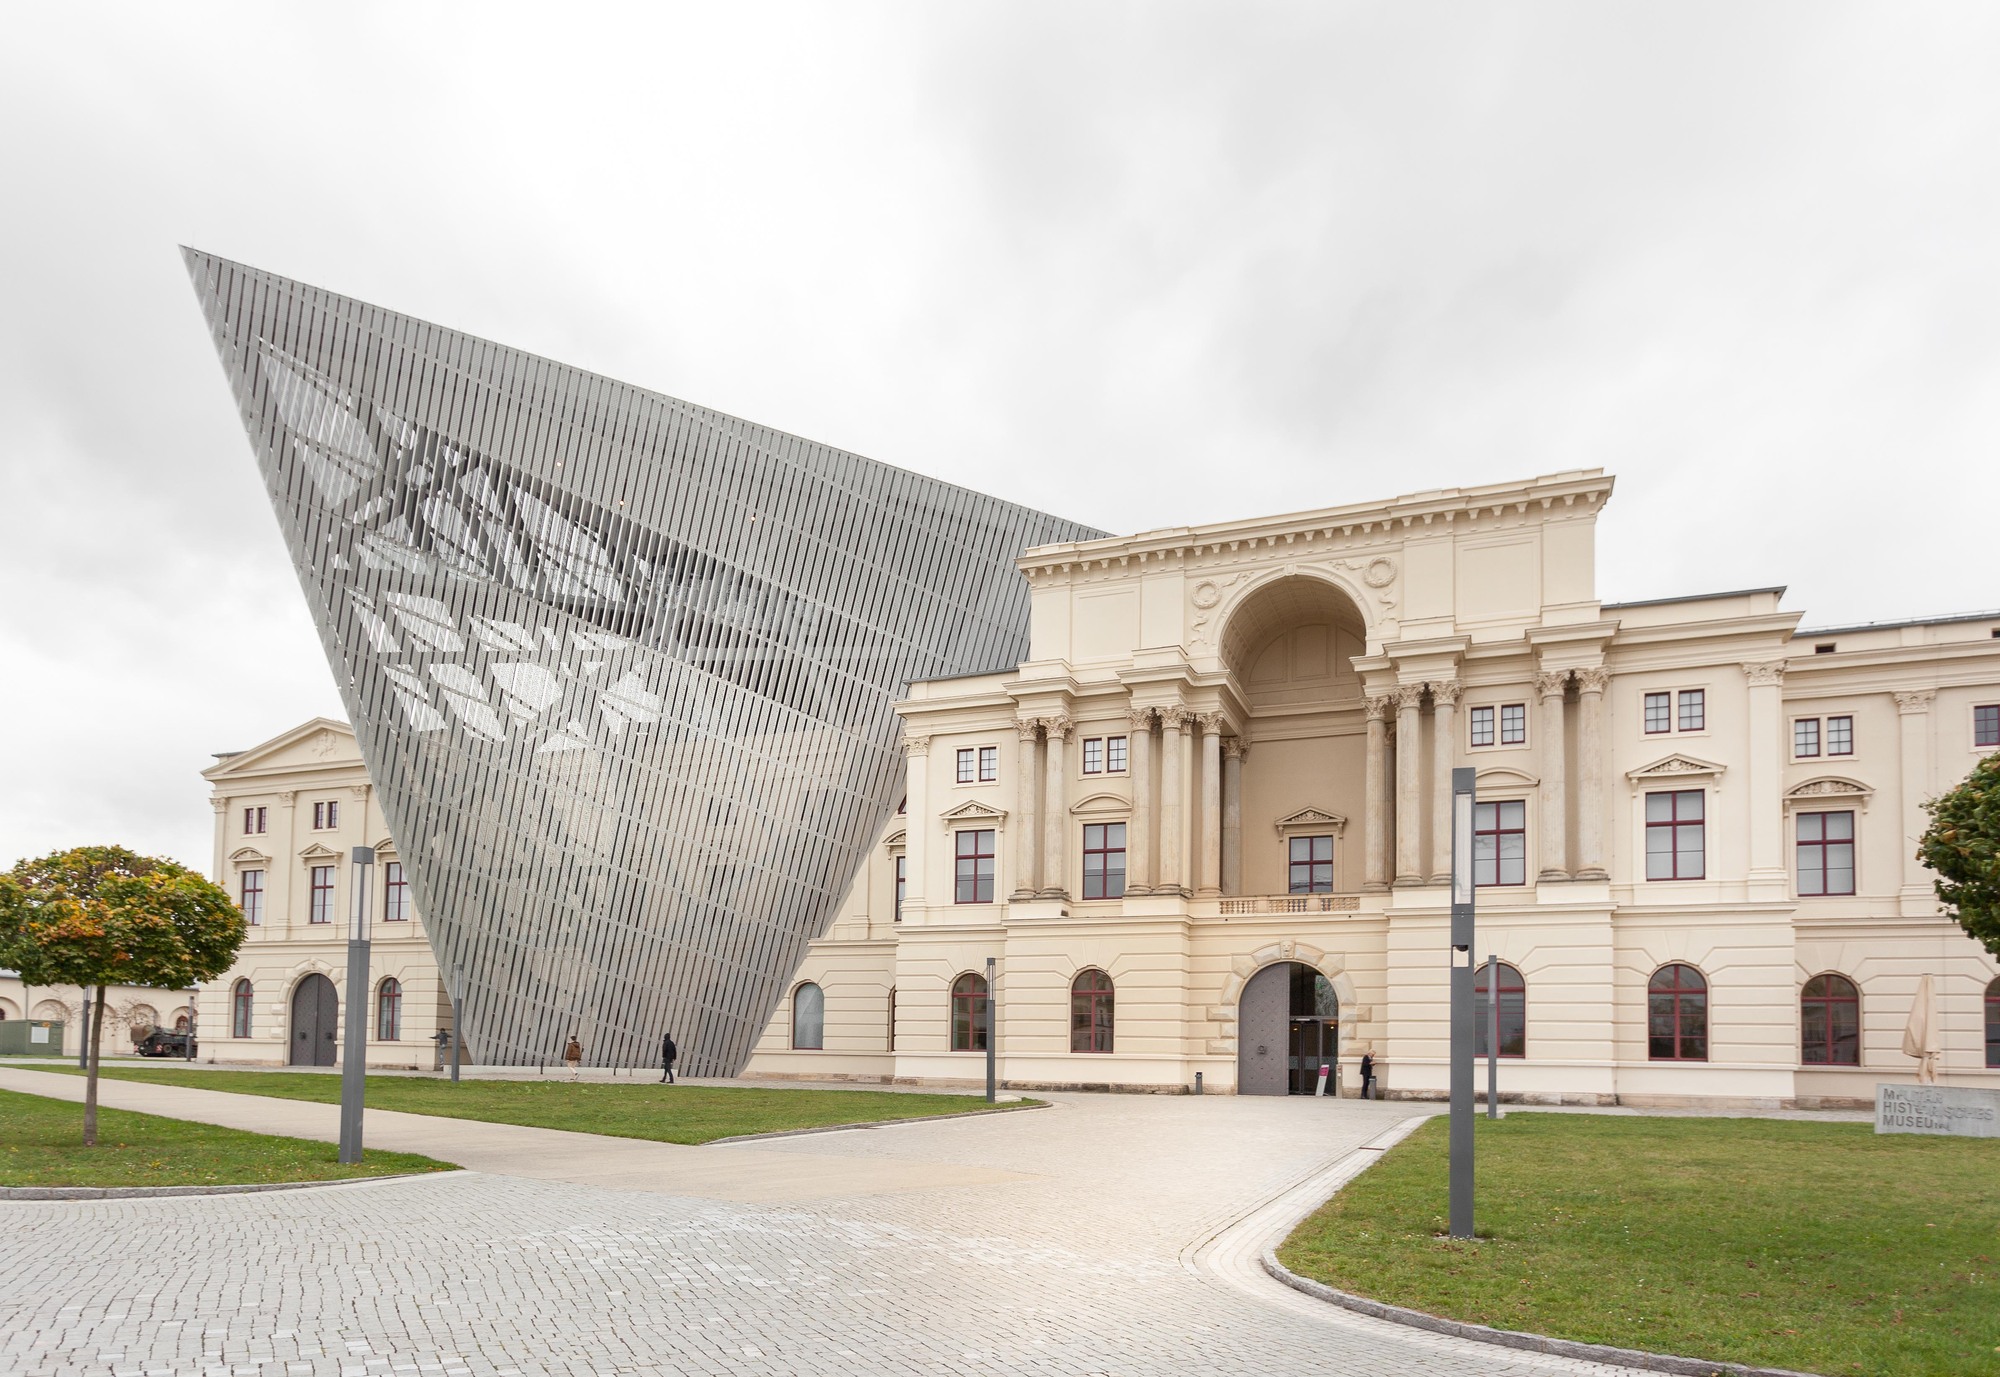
[[875, 1123], [159, 1192], [1514, 1338]]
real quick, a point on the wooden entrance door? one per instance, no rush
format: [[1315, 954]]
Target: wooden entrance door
[[315, 1015]]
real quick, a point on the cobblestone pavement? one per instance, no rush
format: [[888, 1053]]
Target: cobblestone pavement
[[1080, 1249]]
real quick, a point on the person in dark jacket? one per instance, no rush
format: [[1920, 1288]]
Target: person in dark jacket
[[1368, 1075], [667, 1054]]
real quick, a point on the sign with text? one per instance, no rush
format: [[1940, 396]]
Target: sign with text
[[1937, 1109]]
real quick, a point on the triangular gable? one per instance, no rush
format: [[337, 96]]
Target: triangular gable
[[1675, 767], [319, 853], [1311, 817], [972, 810], [248, 855], [321, 741]]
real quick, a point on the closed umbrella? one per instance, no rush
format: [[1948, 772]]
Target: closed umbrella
[[1920, 1034]]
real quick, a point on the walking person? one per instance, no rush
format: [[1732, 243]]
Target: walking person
[[573, 1057], [667, 1054]]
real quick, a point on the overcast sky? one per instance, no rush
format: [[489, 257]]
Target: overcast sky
[[1140, 265]]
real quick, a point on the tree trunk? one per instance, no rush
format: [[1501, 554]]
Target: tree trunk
[[96, 1035]]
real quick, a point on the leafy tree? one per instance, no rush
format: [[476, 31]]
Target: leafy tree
[[1962, 844], [103, 915]]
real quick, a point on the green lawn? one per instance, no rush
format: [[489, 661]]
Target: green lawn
[[1816, 1246], [628, 1109], [41, 1144]]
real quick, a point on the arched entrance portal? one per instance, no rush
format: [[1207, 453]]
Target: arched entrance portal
[[315, 1012], [1288, 1026]]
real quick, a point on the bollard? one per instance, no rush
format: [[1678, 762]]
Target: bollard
[[1197, 1082]]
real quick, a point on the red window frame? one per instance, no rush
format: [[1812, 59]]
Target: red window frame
[[239, 1010], [326, 815], [1840, 735], [1093, 755], [1312, 871], [1513, 1013], [989, 764], [1104, 860], [1479, 726], [968, 765], [1674, 825], [389, 1010], [255, 820], [1677, 1014], [321, 910], [1659, 710], [1993, 1022], [1091, 1011], [902, 869], [1489, 846], [395, 893], [968, 1013], [973, 883], [1986, 724], [1693, 711], [1513, 724], [1829, 1022], [1114, 755], [1805, 738], [250, 889], [1816, 848]]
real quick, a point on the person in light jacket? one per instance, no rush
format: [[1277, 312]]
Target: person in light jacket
[[573, 1057], [667, 1054]]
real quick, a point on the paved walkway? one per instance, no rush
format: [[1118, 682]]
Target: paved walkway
[[1106, 1235]]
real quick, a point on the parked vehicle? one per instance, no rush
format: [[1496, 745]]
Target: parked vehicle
[[164, 1042]]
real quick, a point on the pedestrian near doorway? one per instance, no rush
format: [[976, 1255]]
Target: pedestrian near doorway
[[667, 1054], [573, 1057], [1368, 1075]]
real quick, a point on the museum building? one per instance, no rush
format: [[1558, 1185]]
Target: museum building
[[1204, 829]]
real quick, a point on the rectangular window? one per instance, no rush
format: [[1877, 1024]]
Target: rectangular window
[[254, 820], [1093, 755], [1482, 726], [1826, 853], [1104, 755], [975, 867], [326, 816], [1114, 755], [395, 894], [968, 765], [1805, 737], [1104, 860], [989, 764], [1513, 723], [252, 902], [1311, 865], [1840, 736], [322, 894], [1675, 841], [1694, 710], [1659, 712], [902, 872], [1500, 843], [1986, 725]]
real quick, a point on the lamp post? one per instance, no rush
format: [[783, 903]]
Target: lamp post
[[1492, 1035], [354, 1065], [83, 1041], [1463, 790], [990, 1029], [187, 1048], [457, 1020]]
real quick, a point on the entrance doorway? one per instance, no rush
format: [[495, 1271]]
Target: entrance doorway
[[1288, 1027], [315, 1012]]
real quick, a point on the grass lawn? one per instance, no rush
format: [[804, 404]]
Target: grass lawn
[[630, 1109], [1816, 1246], [41, 1144]]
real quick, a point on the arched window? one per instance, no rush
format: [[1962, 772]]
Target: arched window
[[1513, 1012], [1090, 1012], [1830, 1022], [808, 1018], [1993, 1023], [239, 1010], [1677, 1014], [968, 1013], [389, 1009]]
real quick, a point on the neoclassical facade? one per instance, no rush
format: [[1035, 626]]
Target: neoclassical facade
[[1205, 828], [287, 815]]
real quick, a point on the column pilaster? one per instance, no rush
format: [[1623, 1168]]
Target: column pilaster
[[1233, 750], [1026, 863], [1444, 753], [1913, 724], [1553, 685], [916, 821], [1375, 869], [1409, 784], [1768, 749], [1208, 879], [1173, 801], [1139, 836], [1055, 807], [1590, 686]]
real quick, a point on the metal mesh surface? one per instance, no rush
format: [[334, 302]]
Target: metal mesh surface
[[622, 668]]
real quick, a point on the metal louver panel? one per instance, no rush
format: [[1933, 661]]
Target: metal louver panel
[[621, 667]]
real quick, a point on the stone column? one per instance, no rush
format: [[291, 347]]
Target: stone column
[[1026, 860], [1232, 814], [1444, 753], [1409, 785], [1590, 686], [1766, 802], [224, 808], [1208, 879], [1914, 727], [1139, 836], [1055, 808], [1376, 869], [1552, 686], [283, 879], [1173, 801], [916, 822]]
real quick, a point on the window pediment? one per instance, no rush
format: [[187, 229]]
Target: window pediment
[[317, 854], [897, 839], [1102, 803], [972, 810], [248, 855], [1311, 820], [1502, 778], [1675, 767], [1829, 789]]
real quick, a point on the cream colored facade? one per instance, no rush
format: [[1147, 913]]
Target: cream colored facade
[[1319, 675], [130, 1011], [267, 801]]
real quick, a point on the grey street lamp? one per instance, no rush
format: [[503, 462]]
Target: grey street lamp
[[991, 1028], [457, 1020], [1464, 789], [1492, 1035], [354, 1064]]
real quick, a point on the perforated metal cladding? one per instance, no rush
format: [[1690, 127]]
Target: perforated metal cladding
[[621, 668]]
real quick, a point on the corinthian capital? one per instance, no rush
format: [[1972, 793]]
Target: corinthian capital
[[1444, 692], [1211, 723], [1234, 748], [1057, 728], [1380, 707], [1918, 700], [915, 745], [1174, 719], [1767, 673], [1552, 683], [1593, 680], [1027, 729], [1409, 696], [1140, 719]]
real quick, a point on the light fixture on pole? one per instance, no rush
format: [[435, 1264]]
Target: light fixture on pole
[[457, 1020], [354, 1064], [990, 1029], [1492, 1035], [1464, 787]]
